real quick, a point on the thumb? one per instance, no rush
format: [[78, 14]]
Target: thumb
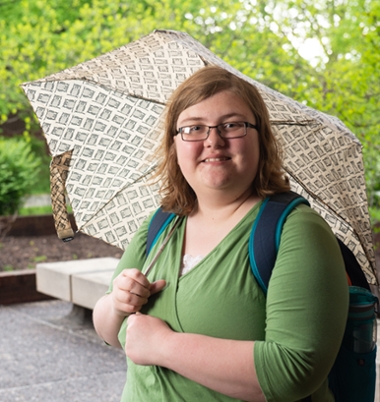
[[157, 286]]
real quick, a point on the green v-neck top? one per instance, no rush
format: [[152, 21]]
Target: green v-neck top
[[297, 328]]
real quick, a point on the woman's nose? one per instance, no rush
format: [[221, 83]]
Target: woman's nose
[[214, 138]]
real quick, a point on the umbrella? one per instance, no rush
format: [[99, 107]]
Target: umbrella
[[102, 120]]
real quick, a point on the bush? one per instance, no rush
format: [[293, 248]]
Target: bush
[[18, 173]]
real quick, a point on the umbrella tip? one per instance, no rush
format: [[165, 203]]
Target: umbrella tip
[[65, 235]]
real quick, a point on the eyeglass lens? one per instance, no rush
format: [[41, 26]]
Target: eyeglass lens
[[225, 130]]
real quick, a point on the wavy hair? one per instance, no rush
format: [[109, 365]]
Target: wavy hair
[[176, 194]]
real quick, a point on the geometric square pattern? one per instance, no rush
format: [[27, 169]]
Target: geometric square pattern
[[106, 114]]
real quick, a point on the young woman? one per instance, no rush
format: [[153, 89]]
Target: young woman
[[203, 329]]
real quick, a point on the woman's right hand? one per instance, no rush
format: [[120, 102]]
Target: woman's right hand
[[131, 290]]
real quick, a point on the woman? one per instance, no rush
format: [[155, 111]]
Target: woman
[[204, 330]]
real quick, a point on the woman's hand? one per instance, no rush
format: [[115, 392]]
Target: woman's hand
[[131, 290], [145, 338]]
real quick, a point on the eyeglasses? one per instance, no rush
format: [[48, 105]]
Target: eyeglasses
[[228, 130]]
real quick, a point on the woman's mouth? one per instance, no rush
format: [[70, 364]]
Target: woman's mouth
[[218, 159]]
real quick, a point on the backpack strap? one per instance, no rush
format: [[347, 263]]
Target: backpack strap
[[265, 236], [355, 274], [157, 225]]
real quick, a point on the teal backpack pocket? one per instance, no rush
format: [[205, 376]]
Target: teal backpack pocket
[[353, 377]]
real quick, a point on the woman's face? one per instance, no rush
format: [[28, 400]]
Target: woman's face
[[217, 163]]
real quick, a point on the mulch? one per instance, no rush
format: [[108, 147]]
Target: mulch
[[24, 252]]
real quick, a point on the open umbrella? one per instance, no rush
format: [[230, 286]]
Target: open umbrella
[[103, 120]]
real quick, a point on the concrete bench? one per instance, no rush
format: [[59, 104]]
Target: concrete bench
[[81, 282]]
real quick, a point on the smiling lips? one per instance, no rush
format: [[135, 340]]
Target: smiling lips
[[216, 159]]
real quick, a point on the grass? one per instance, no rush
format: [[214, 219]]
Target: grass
[[40, 258], [45, 210], [36, 211]]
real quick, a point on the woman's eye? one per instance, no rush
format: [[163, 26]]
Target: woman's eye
[[195, 128], [230, 125]]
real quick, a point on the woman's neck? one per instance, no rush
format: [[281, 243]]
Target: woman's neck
[[221, 207], [212, 220]]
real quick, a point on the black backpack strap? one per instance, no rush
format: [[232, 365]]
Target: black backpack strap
[[157, 225], [353, 269], [266, 234]]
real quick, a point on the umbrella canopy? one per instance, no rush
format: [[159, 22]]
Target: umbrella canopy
[[102, 120]]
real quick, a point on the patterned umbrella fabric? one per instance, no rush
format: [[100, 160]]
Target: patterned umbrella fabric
[[102, 120]]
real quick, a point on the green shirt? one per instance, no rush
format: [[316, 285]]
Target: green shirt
[[298, 327]]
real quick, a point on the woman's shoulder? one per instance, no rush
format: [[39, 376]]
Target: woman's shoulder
[[306, 215], [308, 226]]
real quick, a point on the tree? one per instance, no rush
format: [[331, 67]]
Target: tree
[[263, 39]]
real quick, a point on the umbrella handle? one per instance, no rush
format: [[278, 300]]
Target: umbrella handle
[[59, 168]]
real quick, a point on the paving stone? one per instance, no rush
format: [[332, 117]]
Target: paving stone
[[48, 353]]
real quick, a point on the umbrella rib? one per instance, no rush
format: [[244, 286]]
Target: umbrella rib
[[115, 195], [317, 198], [294, 123]]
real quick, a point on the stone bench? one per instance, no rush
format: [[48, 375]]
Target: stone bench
[[81, 282]]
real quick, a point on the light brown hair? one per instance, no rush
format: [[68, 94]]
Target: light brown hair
[[177, 195]]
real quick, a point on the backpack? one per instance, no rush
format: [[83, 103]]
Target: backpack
[[353, 376]]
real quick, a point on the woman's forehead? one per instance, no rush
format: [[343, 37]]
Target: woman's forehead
[[223, 105]]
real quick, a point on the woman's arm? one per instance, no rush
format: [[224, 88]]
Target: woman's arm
[[106, 322], [131, 290], [223, 365]]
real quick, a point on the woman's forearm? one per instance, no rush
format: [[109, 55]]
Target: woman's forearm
[[106, 321], [225, 366]]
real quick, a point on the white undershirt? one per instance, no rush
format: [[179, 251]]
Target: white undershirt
[[189, 262]]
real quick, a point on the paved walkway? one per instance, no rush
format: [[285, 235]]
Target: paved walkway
[[49, 352]]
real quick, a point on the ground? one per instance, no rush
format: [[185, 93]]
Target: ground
[[25, 252]]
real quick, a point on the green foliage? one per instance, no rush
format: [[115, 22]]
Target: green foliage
[[40, 258], [18, 168], [42, 185], [46, 210], [263, 39], [375, 218]]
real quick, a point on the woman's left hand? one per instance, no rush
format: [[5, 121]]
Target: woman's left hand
[[145, 337]]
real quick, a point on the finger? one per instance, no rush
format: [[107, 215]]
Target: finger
[[157, 286], [138, 290], [131, 318], [136, 276], [129, 298], [128, 281]]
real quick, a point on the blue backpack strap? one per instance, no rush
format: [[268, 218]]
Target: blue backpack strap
[[157, 225], [265, 236]]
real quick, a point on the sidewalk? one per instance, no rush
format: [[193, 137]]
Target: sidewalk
[[49, 352]]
